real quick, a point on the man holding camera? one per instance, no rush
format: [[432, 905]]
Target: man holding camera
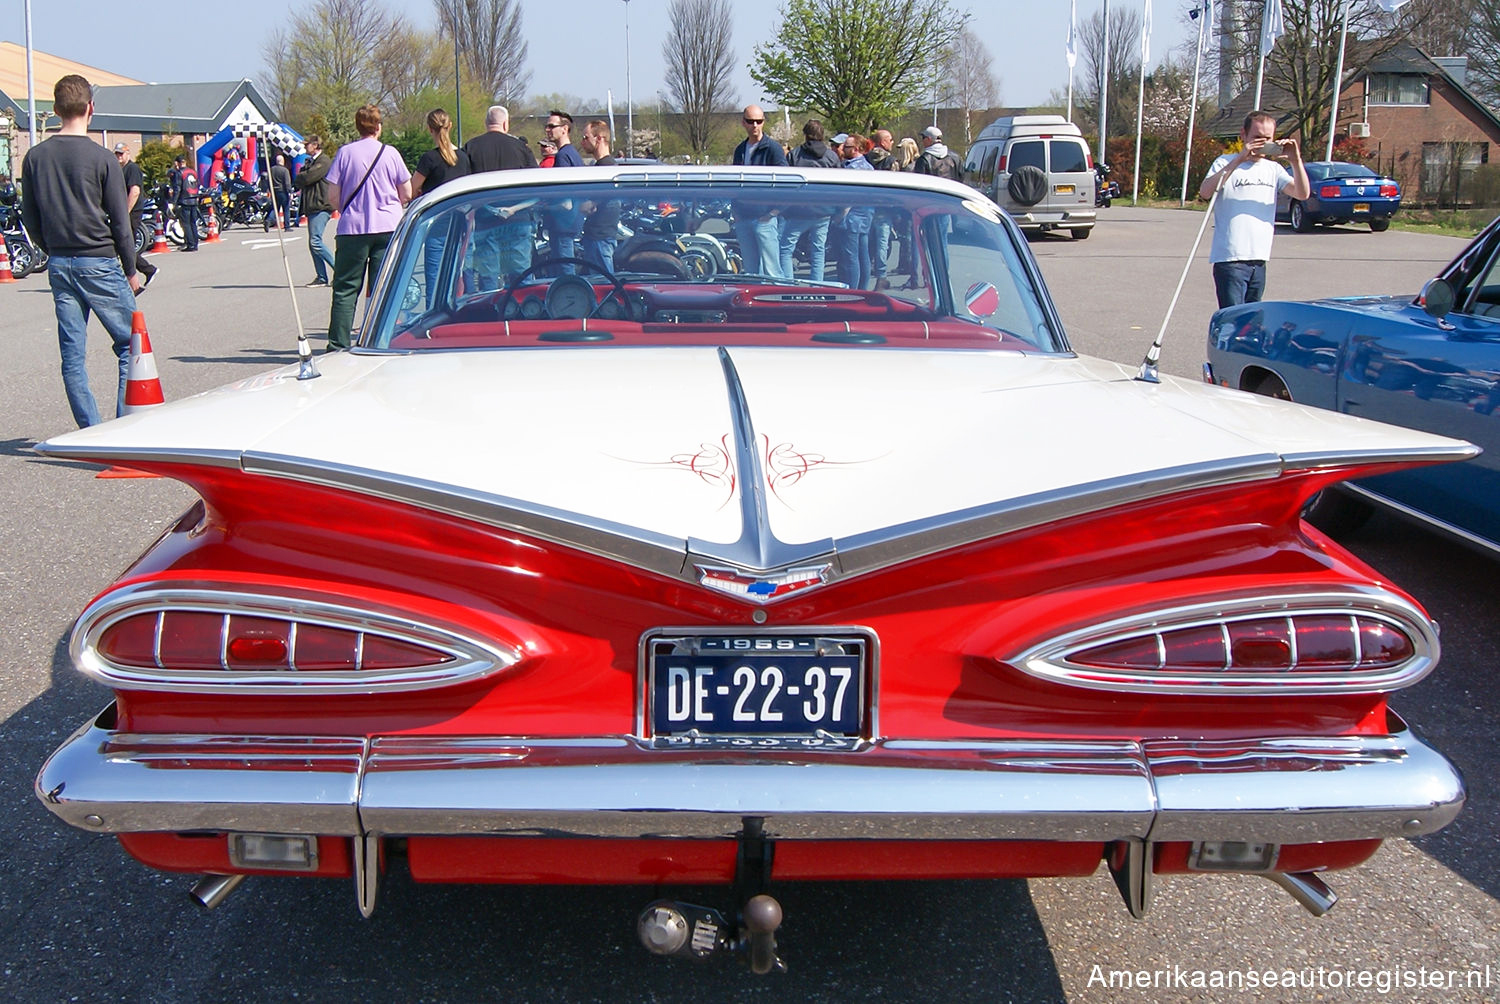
[[1245, 214]]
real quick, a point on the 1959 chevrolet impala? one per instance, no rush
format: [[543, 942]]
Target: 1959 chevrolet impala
[[680, 574]]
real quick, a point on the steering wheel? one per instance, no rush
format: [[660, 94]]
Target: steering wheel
[[592, 266]]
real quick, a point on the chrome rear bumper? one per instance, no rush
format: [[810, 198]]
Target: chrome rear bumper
[[1285, 790]]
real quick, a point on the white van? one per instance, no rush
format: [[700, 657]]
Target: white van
[[1038, 169]]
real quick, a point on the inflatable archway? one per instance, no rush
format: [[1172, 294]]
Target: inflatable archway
[[281, 137]]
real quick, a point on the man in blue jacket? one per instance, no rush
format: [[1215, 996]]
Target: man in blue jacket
[[758, 226]]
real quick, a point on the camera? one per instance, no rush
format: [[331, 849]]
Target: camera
[[1271, 149]]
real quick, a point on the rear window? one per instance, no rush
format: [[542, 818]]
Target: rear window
[[480, 269], [1068, 156], [1029, 153]]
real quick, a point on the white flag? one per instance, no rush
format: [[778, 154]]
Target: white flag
[[1146, 34], [1272, 26], [1208, 25], [1072, 49]]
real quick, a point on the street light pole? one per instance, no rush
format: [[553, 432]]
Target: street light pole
[[458, 93], [629, 104]]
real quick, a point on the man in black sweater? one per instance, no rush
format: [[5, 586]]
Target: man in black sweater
[[502, 243], [73, 202]]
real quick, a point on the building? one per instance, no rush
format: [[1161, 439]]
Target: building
[[125, 110], [1406, 113]]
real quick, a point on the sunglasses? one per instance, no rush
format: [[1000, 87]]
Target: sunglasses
[[552, 125], [754, 121]]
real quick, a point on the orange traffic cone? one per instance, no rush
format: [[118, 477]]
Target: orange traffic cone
[[6, 275], [160, 245], [142, 387], [213, 226]]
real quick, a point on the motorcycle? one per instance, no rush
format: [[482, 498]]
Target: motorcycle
[[1105, 190], [666, 238], [25, 256], [244, 204]]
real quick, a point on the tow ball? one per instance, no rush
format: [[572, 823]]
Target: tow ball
[[667, 927]]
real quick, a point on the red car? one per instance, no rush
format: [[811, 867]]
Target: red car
[[678, 576]]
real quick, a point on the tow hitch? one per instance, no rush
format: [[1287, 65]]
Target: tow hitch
[[667, 927]]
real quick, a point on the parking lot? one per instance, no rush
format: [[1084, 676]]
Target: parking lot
[[87, 923]]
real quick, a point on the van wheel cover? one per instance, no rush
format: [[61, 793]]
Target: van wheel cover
[[1028, 185]]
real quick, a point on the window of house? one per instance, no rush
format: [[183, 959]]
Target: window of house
[[1448, 170], [1398, 89]]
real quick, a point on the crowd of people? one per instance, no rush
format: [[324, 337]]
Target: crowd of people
[[82, 206]]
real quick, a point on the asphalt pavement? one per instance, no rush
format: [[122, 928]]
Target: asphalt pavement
[[86, 923]]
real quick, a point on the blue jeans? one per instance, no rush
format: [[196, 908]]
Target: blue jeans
[[502, 252], [760, 245], [854, 259], [816, 229], [601, 251], [880, 246], [1239, 281], [80, 286], [322, 258]]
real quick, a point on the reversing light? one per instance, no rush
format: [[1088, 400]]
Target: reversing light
[[288, 851], [1304, 643]]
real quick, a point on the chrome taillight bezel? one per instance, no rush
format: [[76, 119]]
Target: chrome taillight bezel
[[1049, 660], [470, 657]]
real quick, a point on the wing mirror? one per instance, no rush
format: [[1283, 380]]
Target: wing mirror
[[1437, 298]]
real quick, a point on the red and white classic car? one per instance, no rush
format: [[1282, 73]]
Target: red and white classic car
[[678, 574]]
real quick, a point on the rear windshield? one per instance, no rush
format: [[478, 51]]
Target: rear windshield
[[1331, 172], [633, 262], [1068, 156], [1029, 154]]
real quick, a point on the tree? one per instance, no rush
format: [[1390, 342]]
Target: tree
[[858, 62], [966, 71], [1124, 67], [489, 36], [412, 62], [699, 62], [329, 61]]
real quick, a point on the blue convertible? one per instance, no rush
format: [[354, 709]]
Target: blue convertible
[[1431, 362]]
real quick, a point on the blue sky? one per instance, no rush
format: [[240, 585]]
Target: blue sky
[[572, 43]]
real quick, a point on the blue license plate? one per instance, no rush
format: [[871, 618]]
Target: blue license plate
[[757, 684]]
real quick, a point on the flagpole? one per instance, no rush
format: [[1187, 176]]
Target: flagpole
[[1338, 79], [1072, 52], [1140, 102], [1104, 93], [1187, 155]]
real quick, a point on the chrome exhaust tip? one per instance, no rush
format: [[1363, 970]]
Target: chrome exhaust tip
[[1306, 888], [211, 890]]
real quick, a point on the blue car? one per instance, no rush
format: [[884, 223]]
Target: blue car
[[1342, 193], [1430, 362]]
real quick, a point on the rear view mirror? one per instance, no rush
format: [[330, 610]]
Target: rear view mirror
[[1437, 298]]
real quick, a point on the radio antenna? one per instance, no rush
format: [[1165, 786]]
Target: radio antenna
[[306, 368], [1148, 371]]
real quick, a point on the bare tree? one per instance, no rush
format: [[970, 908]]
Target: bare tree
[[489, 36], [1124, 67], [699, 57], [327, 64], [966, 70]]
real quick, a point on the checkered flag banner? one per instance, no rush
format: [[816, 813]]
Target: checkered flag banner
[[270, 132]]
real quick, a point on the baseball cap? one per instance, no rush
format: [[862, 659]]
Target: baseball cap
[[839, 139], [119, 148], [933, 133]]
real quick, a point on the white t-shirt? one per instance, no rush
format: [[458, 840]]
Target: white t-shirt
[[1245, 215]]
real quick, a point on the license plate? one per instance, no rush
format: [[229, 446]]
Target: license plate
[[1063, 189], [1361, 207], [757, 684]]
